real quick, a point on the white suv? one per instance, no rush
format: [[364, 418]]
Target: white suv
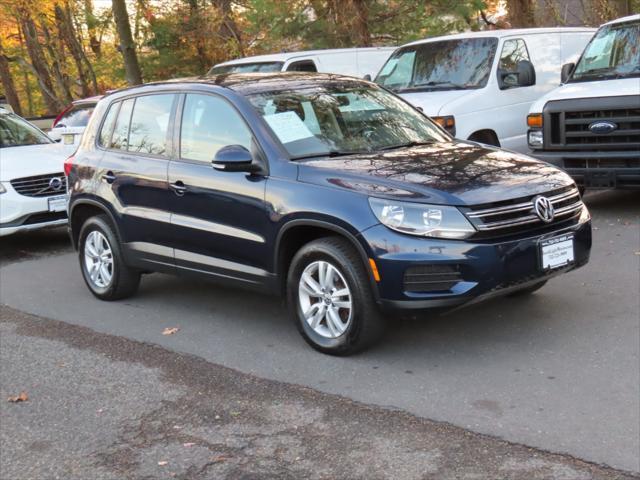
[[32, 182]]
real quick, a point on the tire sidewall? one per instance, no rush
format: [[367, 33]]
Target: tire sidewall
[[100, 225], [301, 260]]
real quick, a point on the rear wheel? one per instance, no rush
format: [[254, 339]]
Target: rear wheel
[[330, 298], [102, 262]]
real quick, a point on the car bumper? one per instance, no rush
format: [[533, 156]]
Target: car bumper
[[486, 268], [597, 169], [20, 213]]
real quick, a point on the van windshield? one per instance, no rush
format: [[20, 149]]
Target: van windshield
[[614, 52], [263, 67], [445, 65]]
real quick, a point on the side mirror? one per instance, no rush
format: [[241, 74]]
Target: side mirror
[[234, 158], [523, 76], [567, 70], [367, 77]]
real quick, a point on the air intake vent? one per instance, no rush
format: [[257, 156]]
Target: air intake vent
[[431, 278]]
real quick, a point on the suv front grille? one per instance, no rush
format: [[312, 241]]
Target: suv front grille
[[41, 185], [514, 217]]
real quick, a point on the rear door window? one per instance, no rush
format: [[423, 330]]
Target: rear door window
[[150, 123]]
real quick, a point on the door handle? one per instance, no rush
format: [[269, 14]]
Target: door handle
[[178, 187], [109, 177]]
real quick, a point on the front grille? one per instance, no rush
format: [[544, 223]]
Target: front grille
[[505, 218], [601, 162], [41, 185], [566, 124], [431, 278]]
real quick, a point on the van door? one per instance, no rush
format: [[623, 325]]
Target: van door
[[512, 101], [133, 174], [219, 220]]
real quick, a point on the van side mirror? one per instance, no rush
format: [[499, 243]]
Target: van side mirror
[[523, 76], [367, 77], [234, 158], [567, 70]]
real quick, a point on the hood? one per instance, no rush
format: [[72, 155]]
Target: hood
[[456, 173], [433, 102], [601, 88], [30, 160]]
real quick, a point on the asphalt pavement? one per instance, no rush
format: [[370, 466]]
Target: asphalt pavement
[[559, 371]]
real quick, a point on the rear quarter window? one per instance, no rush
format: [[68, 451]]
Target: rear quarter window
[[106, 131], [77, 116]]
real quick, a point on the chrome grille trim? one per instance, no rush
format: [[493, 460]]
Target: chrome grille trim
[[567, 204], [38, 186]]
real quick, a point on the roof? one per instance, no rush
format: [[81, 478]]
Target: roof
[[285, 56], [630, 18], [93, 99], [509, 32], [250, 83]]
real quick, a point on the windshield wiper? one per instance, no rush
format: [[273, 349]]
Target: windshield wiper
[[407, 145], [331, 153], [454, 86]]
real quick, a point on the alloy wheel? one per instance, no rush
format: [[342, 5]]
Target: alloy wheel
[[98, 259]]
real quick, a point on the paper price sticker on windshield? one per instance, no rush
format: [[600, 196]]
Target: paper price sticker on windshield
[[288, 126]]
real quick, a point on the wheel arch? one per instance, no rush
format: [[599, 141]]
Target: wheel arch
[[486, 135], [85, 208], [296, 233]]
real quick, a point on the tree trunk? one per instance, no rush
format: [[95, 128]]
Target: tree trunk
[[228, 29], [89, 17], [521, 13], [39, 65], [127, 47], [25, 74], [61, 78], [7, 83], [195, 26], [360, 22]]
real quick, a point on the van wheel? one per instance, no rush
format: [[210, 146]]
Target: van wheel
[[102, 263], [330, 298], [529, 290]]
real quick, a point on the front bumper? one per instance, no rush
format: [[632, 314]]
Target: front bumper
[[20, 213], [487, 268], [606, 169]]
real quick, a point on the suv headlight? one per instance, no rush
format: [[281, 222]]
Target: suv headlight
[[436, 221]]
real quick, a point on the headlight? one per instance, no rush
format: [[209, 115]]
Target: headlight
[[2, 189], [535, 139], [424, 220]]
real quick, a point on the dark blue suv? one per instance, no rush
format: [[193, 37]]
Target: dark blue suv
[[326, 189]]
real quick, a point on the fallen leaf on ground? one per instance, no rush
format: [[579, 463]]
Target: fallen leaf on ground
[[219, 459], [23, 397], [170, 330], [188, 444], [637, 253], [162, 463]]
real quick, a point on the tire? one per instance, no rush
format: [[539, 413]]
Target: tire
[[357, 327], [529, 290], [97, 238]]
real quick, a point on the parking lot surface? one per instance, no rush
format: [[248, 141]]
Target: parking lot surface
[[559, 370]]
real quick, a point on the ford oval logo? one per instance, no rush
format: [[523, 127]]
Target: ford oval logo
[[602, 127]]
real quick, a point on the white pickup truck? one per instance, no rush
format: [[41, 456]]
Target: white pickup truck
[[590, 125]]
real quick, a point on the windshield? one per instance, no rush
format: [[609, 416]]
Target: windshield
[[264, 67], [16, 132], [445, 65], [614, 52], [343, 118]]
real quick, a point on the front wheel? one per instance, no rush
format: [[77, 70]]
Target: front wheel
[[330, 298], [102, 262]]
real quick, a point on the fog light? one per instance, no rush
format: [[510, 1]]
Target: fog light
[[536, 139]]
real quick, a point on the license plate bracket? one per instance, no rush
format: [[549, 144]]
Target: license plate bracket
[[556, 252], [57, 203]]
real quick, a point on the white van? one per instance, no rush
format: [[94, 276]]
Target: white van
[[590, 125], [480, 85], [356, 62]]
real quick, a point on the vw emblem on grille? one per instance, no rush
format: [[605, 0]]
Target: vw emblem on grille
[[602, 127], [55, 183], [544, 209]]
